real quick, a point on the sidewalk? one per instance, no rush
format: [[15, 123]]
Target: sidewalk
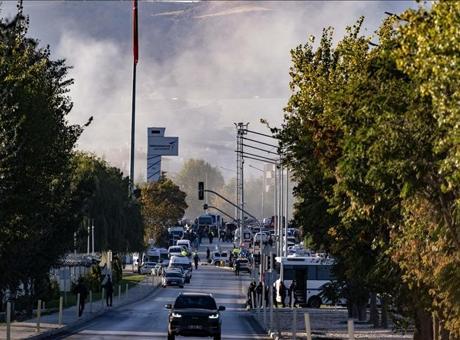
[[49, 323], [326, 323]]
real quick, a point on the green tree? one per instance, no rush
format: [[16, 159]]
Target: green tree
[[163, 204], [428, 245], [370, 133], [101, 192], [192, 172], [37, 212]]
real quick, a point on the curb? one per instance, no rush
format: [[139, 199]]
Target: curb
[[271, 334], [86, 319]]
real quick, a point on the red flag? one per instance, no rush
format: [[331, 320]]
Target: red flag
[[135, 33]]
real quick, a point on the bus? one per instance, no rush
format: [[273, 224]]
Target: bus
[[311, 274]]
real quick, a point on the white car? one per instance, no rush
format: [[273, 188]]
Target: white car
[[175, 251], [261, 236], [147, 267]]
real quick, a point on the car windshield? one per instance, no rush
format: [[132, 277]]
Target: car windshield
[[201, 301], [173, 275]]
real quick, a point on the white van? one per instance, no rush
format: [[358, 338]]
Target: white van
[[220, 256], [184, 243]]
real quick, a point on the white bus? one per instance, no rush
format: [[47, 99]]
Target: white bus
[[311, 274]]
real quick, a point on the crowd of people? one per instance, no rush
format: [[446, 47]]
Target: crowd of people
[[255, 291]]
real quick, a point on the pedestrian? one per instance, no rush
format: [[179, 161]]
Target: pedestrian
[[282, 293], [196, 258], [267, 297], [83, 291], [259, 290], [109, 292], [292, 289], [275, 302], [237, 268], [208, 254], [251, 293], [270, 241]]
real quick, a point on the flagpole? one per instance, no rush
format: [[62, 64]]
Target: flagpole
[[133, 107], [133, 127]]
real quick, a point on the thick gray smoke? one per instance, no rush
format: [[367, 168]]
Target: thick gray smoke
[[202, 67]]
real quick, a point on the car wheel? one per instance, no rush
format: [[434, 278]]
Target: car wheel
[[314, 302], [181, 286], [171, 336]]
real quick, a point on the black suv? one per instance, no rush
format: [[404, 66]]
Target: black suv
[[194, 314]]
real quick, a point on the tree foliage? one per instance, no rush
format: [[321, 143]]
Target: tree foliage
[[371, 136], [192, 172], [163, 204], [37, 211], [102, 193]]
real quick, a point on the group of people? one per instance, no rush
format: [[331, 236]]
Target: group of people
[[256, 292], [81, 290]]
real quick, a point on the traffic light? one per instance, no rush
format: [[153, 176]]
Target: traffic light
[[201, 191]]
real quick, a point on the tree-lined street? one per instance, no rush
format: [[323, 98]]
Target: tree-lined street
[[148, 319], [317, 147]]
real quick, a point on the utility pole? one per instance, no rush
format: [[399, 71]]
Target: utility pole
[[286, 212], [241, 131]]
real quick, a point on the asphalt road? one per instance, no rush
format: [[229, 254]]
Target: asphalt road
[[148, 319]]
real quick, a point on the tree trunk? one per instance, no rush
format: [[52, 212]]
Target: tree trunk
[[423, 325], [374, 315], [362, 309], [354, 311], [384, 313], [350, 309], [435, 327]]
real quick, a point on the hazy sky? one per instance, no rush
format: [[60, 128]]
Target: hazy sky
[[203, 66]]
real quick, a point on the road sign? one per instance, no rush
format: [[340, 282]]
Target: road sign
[[163, 146]]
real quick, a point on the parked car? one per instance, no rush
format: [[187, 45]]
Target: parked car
[[157, 270], [220, 256], [261, 236], [147, 267], [245, 265], [173, 278], [194, 314]]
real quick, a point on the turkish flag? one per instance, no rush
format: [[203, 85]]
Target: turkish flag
[[135, 33]]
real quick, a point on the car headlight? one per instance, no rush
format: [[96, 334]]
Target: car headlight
[[176, 315], [214, 316]]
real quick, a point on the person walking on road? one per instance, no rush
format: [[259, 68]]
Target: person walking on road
[[237, 268], [109, 295], [83, 291], [275, 302], [282, 293], [292, 289], [196, 259], [259, 289], [250, 295], [208, 254]]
